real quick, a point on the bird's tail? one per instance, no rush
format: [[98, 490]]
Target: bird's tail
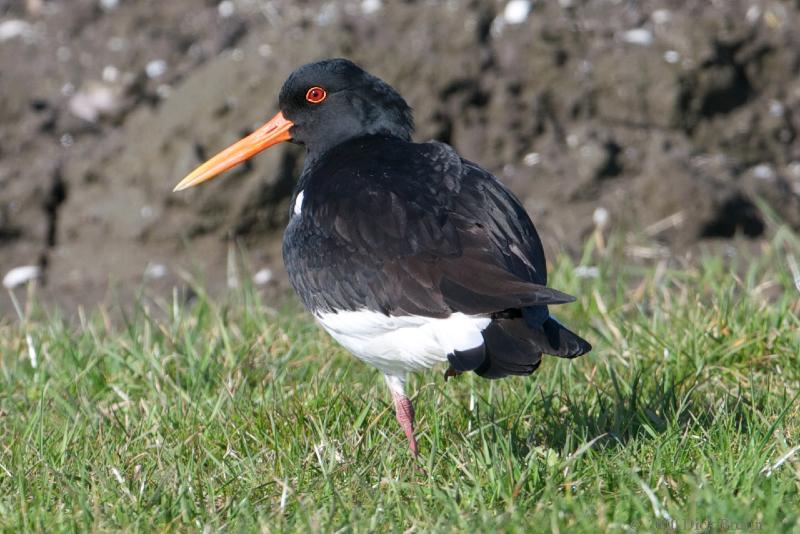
[[556, 339], [514, 347]]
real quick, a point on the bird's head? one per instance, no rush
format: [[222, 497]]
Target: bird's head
[[321, 105]]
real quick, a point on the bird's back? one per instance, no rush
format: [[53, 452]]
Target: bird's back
[[380, 213]]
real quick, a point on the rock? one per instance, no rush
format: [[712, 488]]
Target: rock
[[154, 271], [16, 29], [155, 68], [94, 101], [639, 36], [516, 11]]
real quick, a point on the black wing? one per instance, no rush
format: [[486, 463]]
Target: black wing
[[407, 228]]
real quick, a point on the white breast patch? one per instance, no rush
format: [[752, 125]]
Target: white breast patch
[[298, 203], [404, 343]]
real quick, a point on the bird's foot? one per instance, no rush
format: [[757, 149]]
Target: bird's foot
[[450, 373], [404, 411]]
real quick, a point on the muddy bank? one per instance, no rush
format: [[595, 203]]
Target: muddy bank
[[673, 117]]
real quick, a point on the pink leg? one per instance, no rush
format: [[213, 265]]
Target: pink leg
[[405, 416]]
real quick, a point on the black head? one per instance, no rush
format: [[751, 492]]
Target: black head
[[334, 100], [322, 105]]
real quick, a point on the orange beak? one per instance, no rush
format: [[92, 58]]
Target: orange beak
[[274, 132]]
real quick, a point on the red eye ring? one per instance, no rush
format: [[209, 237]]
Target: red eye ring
[[315, 95]]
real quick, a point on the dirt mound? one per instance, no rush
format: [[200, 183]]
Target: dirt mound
[[672, 116]]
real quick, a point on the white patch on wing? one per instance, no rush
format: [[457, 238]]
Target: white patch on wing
[[298, 203], [403, 343]]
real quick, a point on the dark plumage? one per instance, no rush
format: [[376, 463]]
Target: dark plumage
[[407, 228], [407, 254]]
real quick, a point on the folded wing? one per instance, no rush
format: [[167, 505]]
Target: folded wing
[[429, 234]]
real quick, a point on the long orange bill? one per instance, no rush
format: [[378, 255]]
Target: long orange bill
[[274, 132]]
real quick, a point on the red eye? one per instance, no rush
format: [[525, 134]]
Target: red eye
[[315, 95]]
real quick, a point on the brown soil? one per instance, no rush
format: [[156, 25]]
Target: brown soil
[[679, 112]]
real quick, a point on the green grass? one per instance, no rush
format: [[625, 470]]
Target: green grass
[[233, 415]]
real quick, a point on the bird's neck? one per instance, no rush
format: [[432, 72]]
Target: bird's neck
[[318, 152], [351, 161]]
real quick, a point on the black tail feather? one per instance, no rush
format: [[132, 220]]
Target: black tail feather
[[513, 347], [467, 360], [556, 339], [508, 350]]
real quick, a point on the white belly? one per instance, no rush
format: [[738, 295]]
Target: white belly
[[401, 344]]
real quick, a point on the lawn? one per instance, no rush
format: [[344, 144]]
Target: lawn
[[238, 414]]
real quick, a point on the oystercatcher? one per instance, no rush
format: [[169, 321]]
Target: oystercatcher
[[406, 253]]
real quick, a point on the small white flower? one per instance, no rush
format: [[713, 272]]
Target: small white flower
[[264, 276], [21, 275], [600, 217]]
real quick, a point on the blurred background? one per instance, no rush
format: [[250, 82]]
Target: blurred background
[[673, 122]]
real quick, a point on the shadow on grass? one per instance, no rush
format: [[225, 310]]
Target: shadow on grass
[[645, 408]]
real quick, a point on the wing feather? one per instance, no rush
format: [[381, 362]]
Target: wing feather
[[413, 229]]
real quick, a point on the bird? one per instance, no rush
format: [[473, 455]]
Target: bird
[[407, 254]]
